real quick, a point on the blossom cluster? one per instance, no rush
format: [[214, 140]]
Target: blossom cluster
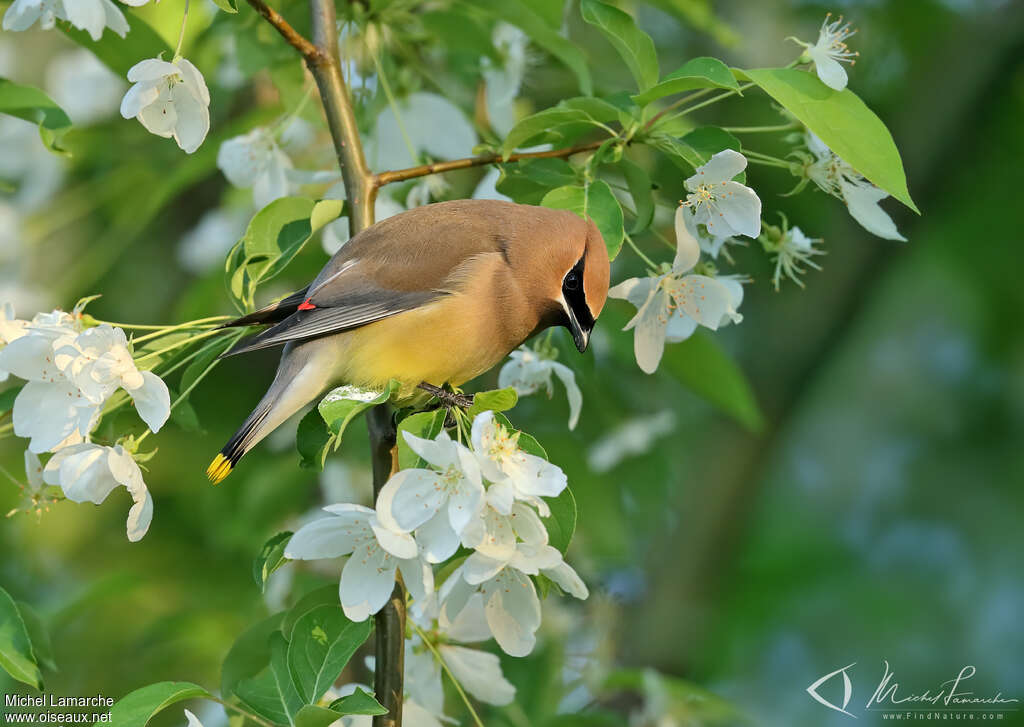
[[71, 373], [487, 498]]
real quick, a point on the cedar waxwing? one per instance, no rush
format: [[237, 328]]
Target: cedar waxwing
[[436, 295]]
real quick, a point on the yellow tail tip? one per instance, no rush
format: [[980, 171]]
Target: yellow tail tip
[[219, 468]]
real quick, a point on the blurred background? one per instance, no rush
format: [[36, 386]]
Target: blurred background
[[854, 496]]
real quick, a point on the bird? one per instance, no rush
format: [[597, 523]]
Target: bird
[[433, 296]]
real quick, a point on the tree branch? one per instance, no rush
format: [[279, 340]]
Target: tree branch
[[400, 175], [294, 38], [321, 56]]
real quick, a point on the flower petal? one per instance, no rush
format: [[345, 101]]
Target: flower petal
[[704, 299], [152, 401], [721, 167], [480, 568], [327, 537], [410, 498], [137, 98], [367, 581], [436, 539], [572, 391], [513, 612], [398, 544], [862, 199], [829, 70], [740, 210], [568, 580], [479, 673], [687, 246], [151, 69]]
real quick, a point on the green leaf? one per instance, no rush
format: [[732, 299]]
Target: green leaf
[[271, 693], [633, 44], [594, 202], [250, 653], [138, 707], [38, 635], [548, 172], [343, 404], [16, 655], [358, 702], [702, 366], [496, 400], [547, 37], [34, 106], [640, 186], [545, 122], [313, 716], [596, 108], [7, 397], [324, 596], [694, 74], [709, 140], [313, 440], [322, 642], [275, 235], [271, 558], [228, 6], [426, 425], [117, 53], [562, 523], [846, 125]]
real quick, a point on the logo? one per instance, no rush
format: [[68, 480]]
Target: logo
[[953, 696], [847, 690]]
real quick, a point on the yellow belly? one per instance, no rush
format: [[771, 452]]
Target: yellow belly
[[438, 343]]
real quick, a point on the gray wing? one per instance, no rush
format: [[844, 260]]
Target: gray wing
[[358, 311]]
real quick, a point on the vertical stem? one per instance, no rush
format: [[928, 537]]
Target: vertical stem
[[361, 191], [389, 673]]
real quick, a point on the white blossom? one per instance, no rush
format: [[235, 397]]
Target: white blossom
[[671, 306], [89, 472], [91, 16], [725, 207], [375, 551], [70, 374], [11, 328], [99, 362], [630, 438], [426, 123], [515, 474], [793, 250], [503, 80], [830, 52], [170, 99], [437, 503], [205, 245], [507, 550], [255, 160], [85, 88], [528, 372], [834, 176], [479, 673]]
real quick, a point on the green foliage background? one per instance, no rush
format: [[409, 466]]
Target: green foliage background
[[865, 509]]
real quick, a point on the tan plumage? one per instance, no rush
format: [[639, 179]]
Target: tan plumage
[[438, 294]]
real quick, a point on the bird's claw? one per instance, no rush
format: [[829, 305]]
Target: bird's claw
[[448, 399]]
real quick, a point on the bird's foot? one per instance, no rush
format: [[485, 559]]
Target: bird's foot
[[448, 399]]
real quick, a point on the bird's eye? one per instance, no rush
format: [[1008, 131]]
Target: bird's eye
[[572, 281]]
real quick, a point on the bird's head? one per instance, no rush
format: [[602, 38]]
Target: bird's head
[[581, 262]]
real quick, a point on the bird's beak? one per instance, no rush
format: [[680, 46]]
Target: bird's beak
[[580, 335]]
